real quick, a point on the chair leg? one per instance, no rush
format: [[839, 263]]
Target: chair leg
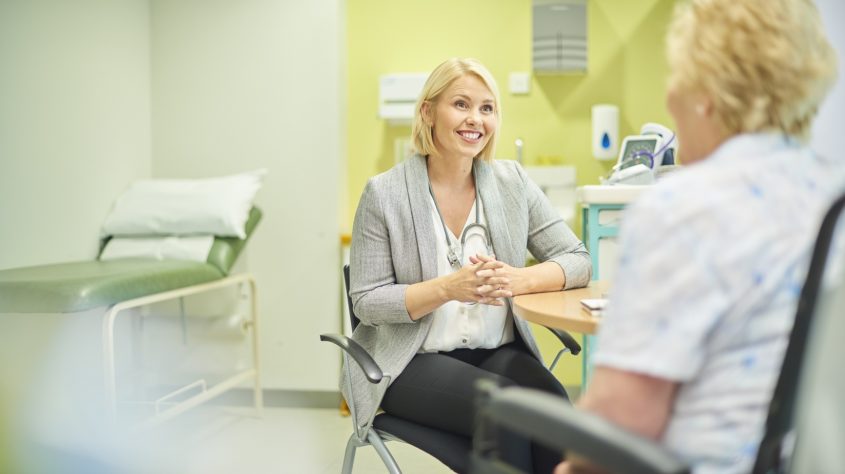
[[557, 358], [383, 453], [349, 456]]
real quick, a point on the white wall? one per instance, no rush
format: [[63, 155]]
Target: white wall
[[827, 129], [238, 85], [74, 122]]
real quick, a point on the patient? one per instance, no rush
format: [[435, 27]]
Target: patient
[[713, 257]]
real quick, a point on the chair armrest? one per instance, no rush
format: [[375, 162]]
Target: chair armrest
[[567, 340], [371, 370], [551, 421]]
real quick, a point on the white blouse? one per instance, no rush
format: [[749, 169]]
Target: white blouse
[[458, 325]]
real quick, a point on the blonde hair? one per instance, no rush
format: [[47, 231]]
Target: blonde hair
[[765, 64], [438, 81]]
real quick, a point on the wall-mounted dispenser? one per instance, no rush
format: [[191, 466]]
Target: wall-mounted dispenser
[[605, 131], [397, 96], [559, 36]]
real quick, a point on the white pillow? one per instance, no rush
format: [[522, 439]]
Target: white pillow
[[217, 206], [195, 247]]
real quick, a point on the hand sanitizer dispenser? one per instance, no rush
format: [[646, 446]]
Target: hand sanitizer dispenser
[[605, 131]]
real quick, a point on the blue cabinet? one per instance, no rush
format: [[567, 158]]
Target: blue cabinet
[[601, 214]]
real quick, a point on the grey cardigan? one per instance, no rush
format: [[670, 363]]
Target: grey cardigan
[[393, 246]]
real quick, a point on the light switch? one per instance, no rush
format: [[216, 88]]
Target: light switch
[[519, 82]]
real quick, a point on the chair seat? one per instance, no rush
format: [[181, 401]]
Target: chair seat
[[450, 449]]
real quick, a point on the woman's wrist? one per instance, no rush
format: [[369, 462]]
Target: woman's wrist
[[523, 282], [546, 276], [443, 287]]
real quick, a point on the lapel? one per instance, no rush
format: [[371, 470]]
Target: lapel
[[494, 211], [416, 180]]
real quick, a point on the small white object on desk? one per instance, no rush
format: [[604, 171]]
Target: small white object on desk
[[595, 306]]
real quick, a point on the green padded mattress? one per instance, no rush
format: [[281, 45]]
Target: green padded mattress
[[78, 286]]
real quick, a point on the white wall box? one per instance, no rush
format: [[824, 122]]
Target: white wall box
[[397, 96]]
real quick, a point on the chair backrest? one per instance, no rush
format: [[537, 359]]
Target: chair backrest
[[781, 418], [353, 320], [819, 411]]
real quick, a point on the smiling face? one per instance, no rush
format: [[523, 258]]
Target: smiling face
[[463, 118]]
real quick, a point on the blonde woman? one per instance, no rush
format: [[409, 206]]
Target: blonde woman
[[438, 248], [712, 259]]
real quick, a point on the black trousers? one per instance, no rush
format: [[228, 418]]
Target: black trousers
[[438, 390]]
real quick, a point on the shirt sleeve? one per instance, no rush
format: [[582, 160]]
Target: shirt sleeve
[[376, 297], [666, 295]]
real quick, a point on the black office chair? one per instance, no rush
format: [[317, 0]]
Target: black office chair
[[452, 450], [547, 420]]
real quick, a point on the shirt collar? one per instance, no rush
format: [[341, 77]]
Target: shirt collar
[[753, 145]]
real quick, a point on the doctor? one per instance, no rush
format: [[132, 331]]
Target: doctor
[[438, 247]]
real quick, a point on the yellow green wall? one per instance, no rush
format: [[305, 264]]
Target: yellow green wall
[[626, 67]]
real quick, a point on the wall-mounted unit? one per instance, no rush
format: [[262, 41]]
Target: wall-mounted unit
[[559, 30], [397, 96]]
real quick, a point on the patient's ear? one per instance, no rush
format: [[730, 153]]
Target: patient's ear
[[704, 106]]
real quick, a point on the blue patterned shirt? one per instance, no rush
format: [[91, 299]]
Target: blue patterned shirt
[[712, 260]]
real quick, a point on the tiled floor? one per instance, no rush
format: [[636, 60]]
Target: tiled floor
[[290, 440], [209, 440], [284, 440]]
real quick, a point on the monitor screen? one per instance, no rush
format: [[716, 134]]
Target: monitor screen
[[638, 150]]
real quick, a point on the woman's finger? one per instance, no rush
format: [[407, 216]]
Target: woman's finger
[[485, 273], [495, 280], [491, 272], [497, 293], [492, 265], [491, 302], [493, 291]]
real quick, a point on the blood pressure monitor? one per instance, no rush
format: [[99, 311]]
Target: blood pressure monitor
[[640, 156], [636, 160], [638, 149]]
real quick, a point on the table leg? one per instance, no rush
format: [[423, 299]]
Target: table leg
[[587, 340]]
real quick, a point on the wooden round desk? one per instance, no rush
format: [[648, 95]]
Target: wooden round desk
[[562, 309]]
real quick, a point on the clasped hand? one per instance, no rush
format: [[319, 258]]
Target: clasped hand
[[483, 280]]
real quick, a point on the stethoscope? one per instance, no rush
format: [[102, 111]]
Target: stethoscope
[[456, 248]]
